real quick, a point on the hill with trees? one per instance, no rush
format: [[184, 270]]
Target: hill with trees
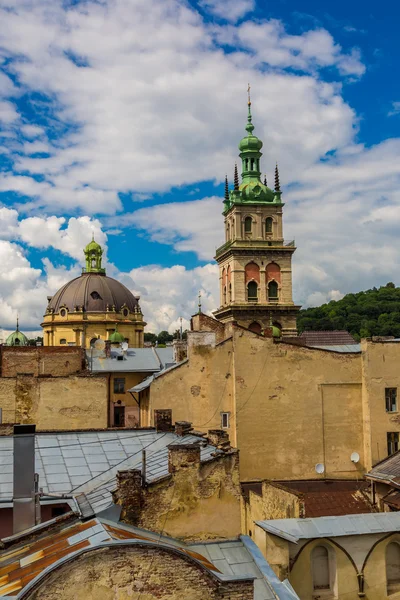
[[373, 312]]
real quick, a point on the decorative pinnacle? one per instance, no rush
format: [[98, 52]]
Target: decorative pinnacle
[[249, 126], [199, 302], [277, 184], [265, 180], [17, 323], [236, 179], [226, 188]]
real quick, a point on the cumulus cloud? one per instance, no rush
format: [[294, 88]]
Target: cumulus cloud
[[229, 10]]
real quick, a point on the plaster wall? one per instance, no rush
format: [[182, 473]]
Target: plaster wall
[[126, 572], [37, 360]]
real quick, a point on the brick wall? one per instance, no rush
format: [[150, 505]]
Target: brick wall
[[134, 571], [201, 322], [39, 360]]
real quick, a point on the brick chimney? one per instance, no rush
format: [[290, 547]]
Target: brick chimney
[[219, 438], [183, 428], [129, 495], [163, 419], [107, 349], [183, 456]]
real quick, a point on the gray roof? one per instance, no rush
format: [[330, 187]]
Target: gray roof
[[88, 462], [143, 360], [340, 348], [320, 527], [149, 380], [387, 469]]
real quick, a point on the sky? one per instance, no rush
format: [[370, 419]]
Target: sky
[[122, 117]]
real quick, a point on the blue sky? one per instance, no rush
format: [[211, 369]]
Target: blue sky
[[121, 117]]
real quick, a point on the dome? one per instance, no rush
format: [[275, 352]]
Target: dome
[[93, 246], [254, 190], [276, 332], [116, 337], [17, 339], [250, 143], [95, 292]]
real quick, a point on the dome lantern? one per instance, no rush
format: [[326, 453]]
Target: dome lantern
[[93, 255]]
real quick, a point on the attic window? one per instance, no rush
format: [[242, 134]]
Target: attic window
[[95, 295], [125, 312], [63, 312]]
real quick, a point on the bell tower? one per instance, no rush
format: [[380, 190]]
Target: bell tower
[[255, 262]]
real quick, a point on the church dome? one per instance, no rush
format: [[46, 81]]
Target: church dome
[[17, 338], [250, 143], [96, 293], [116, 337]]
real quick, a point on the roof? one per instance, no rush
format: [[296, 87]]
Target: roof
[[133, 360], [139, 387], [327, 338], [89, 461], [340, 348], [387, 469], [17, 338], [47, 546], [324, 498], [95, 292], [321, 527]]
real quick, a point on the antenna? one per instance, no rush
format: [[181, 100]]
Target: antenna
[[124, 346], [355, 457], [320, 468]]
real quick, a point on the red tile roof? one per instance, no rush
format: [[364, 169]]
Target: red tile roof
[[327, 338]]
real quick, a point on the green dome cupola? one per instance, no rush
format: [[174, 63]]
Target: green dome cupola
[[116, 337], [17, 338], [93, 255]]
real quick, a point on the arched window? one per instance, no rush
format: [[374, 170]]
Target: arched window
[[228, 232], [252, 291], [230, 293], [255, 327], [248, 223], [268, 224], [393, 568], [63, 341], [272, 290], [225, 295], [320, 568]]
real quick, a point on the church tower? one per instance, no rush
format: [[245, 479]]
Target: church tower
[[255, 263]]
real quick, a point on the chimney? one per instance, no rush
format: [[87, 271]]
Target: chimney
[[219, 438], [181, 456], [24, 478], [180, 350], [163, 419], [107, 349], [129, 495], [183, 428]]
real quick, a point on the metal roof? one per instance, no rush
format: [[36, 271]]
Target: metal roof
[[89, 461], [320, 527], [387, 469], [134, 360], [354, 348], [326, 337]]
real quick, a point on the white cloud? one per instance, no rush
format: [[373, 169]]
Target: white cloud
[[395, 110], [229, 10]]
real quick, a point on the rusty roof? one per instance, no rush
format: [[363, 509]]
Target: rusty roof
[[327, 338], [331, 498]]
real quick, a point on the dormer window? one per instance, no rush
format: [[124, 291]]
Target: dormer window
[[95, 295]]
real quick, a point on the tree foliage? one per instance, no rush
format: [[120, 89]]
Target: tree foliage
[[373, 312]]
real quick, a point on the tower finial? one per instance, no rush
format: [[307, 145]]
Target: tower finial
[[248, 94], [265, 180], [199, 302], [236, 179], [17, 322], [277, 184], [249, 126], [226, 188]]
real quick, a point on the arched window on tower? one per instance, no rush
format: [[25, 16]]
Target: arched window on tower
[[272, 290], [320, 569], [252, 291], [248, 223], [393, 568], [230, 293], [224, 294], [228, 232], [268, 224]]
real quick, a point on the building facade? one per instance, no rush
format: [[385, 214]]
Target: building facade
[[255, 262], [93, 306]]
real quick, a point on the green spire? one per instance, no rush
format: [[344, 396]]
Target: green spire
[[93, 255]]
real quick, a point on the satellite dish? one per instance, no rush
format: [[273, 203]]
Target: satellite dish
[[320, 468], [99, 344], [355, 457], [124, 346]]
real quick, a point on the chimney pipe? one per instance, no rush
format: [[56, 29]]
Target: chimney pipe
[[24, 513], [143, 468]]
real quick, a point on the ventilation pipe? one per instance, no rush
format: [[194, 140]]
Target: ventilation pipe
[[24, 497]]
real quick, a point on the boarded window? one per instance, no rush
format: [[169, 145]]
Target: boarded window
[[273, 271], [320, 568], [252, 291], [252, 272], [248, 222], [393, 567], [391, 399]]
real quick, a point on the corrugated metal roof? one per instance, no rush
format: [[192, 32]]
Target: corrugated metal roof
[[134, 360], [319, 527], [339, 348], [388, 469], [88, 461]]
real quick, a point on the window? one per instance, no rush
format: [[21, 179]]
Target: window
[[248, 222], [391, 399], [125, 312], [393, 568], [63, 312], [119, 385], [225, 295], [225, 420], [272, 290], [392, 442], [230, 293], [119, 416], [95, 295], [320, 568], [268, 225], [252, 291], [63, 341]]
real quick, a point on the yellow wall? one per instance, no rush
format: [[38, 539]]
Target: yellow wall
[[126, 399], [62, 403]]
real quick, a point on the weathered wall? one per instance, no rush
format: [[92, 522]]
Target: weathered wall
[[59, 403], [124, 573], [198, 390], [125, 398], [38, 360], [199, 501]]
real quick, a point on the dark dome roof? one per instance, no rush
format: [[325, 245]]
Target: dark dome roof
[[94, 292]]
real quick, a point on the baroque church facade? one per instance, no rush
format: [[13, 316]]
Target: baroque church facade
[[255, 262]]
